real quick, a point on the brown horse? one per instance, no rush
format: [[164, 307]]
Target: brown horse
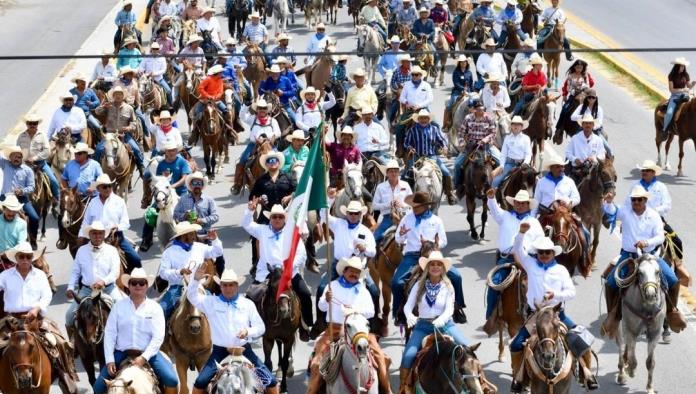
[[42, 199], [531, 9], [41, 263], [443, 50], [255, 71], [281, 316], [569, 126], [512, 43], [188, 93], [118, 162], [214, 142], [253, 170], [331, 10], [524, 177], [408, 40], [25, 367], [90, 323], [354, 7], [555, 42], [564, 234], [685, 125], [538, 115], [317, 74], [72, 212], [277, 112], [476, 173]]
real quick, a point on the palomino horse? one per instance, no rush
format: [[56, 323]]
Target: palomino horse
[[165, 199], [445, 367], [317, 74], [685, 125], [538, 115], [331, 11], [60, 153], [643, 311], [212, 133], [236, 376], [152, 94], [531, 9], [132, 379], [188, 28], [25, 367], [371, 43], [312, 10], [90, 323], [555, 42], [118, 163], [281, 14], [443, 50], [600, 180], [237, 16], [476, 173], [188, 93], [281, 315], [356, 370], [569, 126], [547, 360], [562, 232], [255, 71], [352, 187], [253, 171], [72, 212], [42, 198], [427, 177], [524, 177], [510, 310], [512, 43]]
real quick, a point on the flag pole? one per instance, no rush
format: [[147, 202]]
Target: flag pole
[[327, 234]]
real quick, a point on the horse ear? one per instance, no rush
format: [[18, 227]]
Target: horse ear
[[128, 383], [475, 346], [557, 308], [108, 382]]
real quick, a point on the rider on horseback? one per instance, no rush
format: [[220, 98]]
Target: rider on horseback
[[125, 22], [494, 96], [679, 86], [373, 139], [509, 14], [490, 63], [155, 68], [35, 146], [86, 99], [338, 73], [516, 150], [584, 149], [311, 113], [284, 48], [462, 80], [104, 73], [406, 14], [390, 195], [287, 72], [317, 43], [131, 91], [520, 64], [401, 75], [482, 14], [209, 24], [533, 84], [590, 105], [341, 152], [297, 151], [416, 94], [256, 32], [549, 18], [67, 119], [388, 62], [282, 87], [12, 226], [424, 26], [19, 181], [359, 95], [129, 55], [211, 89], [370, 15]]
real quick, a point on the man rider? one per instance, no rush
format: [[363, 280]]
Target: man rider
[[18, 180], [282, 87], [36, 148], [533, 84], [86, 99], [371, 16], [509, 14], [550, 17], [67, 119], [311, 113], [210, 89], [585, 149], [373, 139]]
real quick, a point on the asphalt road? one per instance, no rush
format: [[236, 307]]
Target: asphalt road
[[628, 123]]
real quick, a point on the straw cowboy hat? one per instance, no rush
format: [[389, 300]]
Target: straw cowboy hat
[[185, 227], [216, 69], [279, 155], [422, 10], [518, 120], [103, 179], [360, 72], [22, 247], [545, 243], [390, 164], [418, 199], [309, 89], [194, 38], [534, 60], [96, 225], [78, 77], [681, 61], [282, 60], [364, 110], [228, 276], [494, 77], [320, 25], [395, 39], [342, 58], [490, 42], [127, 2], [260, 103], [12, 203], [462, 58], [521, 196], [352, 262], [169, 145], [423, 113], [649, 165], [10, 150], [207, 10], [587, 118], [553, 160], [254, 15], [32, 117], [435, 255], [295, 135], [417, 70], [529, 42], [275, 69], [114, 90], [137, 273], [353, 206], [283, 36], [195, 175], [231, 41], [165, 115], [348, 131], [128, 41], [277, 209], [66, 96], [405, 58], [125, 70], [82, 147], [639, 192], [155, 45]]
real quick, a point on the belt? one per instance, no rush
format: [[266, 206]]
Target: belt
[[635, 254], [412, 254], [511, 161]]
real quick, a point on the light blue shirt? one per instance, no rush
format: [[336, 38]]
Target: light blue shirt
[[388, 61], [21, 177], [125, 18], [81, 176], [133, 62], [237, 60]]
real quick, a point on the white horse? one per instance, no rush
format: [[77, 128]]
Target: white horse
[[296, 169], [428, 178], [132, 380], [312, 11], [643, 310], [358, 374], [352, 187], [237, 376], [372, 46], [165, 198], [281, 13]]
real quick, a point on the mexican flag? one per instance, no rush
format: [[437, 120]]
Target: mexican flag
[[309, 195]]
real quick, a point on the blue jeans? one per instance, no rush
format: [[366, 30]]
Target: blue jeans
[[170, 298], [33, 216], [669, 278], [517, 344], [83, 292], [198, 108], [421, 330], [500, 275], [128, 139], [219, 353], [509, 166], [504, 33], [289, 111], [672, 106], [382, 227], [369, 283], [246, 153], [143, 122], [46, 168], [393, 109], [526, 98], [163, 368], [167, 89], [92, 122], [133, 260]]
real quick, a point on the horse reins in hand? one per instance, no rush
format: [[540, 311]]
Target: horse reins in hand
[[14, 366]]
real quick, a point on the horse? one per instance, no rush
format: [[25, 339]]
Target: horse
[[212, 133], [277, 112], [331, 11], [188, 93], [512, 43], [152, 95], [524, 177], [117, 161], [353, 182], [512, 303], [335, 112], [25, 366], [260, 6], [428, 178], [319, 73], [600, 180], [237, 16], [165, 199], [531, 9], [132, 379], [312, 7], [188, 29], [685, 125], [72, 212], [408, 40], [538, 115], [281, 13], [560, 223], [443, 48], [41, 263], [643, 311], [354, 7], [554, 42], [253, 171], [569, 126], [42, 198], [61, 153], [236, 376], [255, 71], [209, 47], [281, 315], [372, 174], [480, 34], [90, 323], [547, 360], [371, 42], [476, 173]]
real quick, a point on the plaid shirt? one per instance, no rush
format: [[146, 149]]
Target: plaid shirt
[[398, 79], [255, 33], [338, 72], [474, 130], [425, 140], [205, 208]]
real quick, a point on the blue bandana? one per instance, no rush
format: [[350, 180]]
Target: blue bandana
[[425, 215], [521, 216], [553, 179], [229, 301], [276, 234], [431, 292], [416, 83], [546, 267], [646, 185], [510, 11], [347, 285], [65, 109], [186, 247], [126, 81], [320, 35], [352, 226]]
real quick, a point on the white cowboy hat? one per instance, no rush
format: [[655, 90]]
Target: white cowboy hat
[[165, 115], [10, 150], [207, 10], [277, 209], [228, 276], [282, 60], [95, 226], [435, 255], [283, 36], [360, 72], [195, 175], [639, 192], [521, 196], [22, 247], [405, 58], [533, 60], [494, 77], [545, 243], [279, 155], [82, 147], [511, 2], [423, 113], [422, 10], [125, 70], [518, 119], [137, 273], [116, 89], [169, 145], [417, 70], [78, 77], [342, 58], [259, 103], [348, 131], [127, 2], [395, 38], [308, 89], [462, 58], [216, 69], [587, 118], [650, 165], [128, 41], [490, 42], [12, 203], [390, 164], [222, 53], [103, 179], [529, 43], [254, 14], [275, 69], [353, 206], [185, 227], [194, 38], [295, 135], [553, 160], [155, 45], [32, 117], [320, 25], [165, 18], [352, 262], [107, 52], [681, 61], [66, 96], [365, 109], [231, 41]]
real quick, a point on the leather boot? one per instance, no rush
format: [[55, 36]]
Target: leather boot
[[611, 322], [448, 190], [491, 325], [238, 178], [66, 383], [586, 371], [270, 390], [405, 381], [199, 391], [516, 359], [312, 265], [171, 390], [675, 319]]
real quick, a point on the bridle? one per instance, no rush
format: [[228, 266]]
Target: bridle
[[352, 343], [100, 323], [15, 373]]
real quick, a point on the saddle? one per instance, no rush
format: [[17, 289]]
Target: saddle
[[662, 109]]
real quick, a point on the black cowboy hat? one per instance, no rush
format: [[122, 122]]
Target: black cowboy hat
[[418, 199]]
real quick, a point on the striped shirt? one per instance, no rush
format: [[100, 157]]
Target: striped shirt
[[475, 129], [205, 208], [425, 140], [255, 33], [277, 51]]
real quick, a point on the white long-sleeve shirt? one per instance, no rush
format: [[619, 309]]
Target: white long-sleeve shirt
[[546, 192], [271, 129], [212, 25], [162, 138], [155, 66], [359, 300], [175, 258], [316, 46], [517, 147], [599, 119], [128, 327], [74, 119], [553, 278], [112, 213], [366, 135], [92, 265], [22, 295], [271, 249], [493, 102], [173, 8], [427, 230], [227, 319], [582, 148], [442, 309], [420, 96], [646, 227], [108, 73], [384, 195], [306, 118], [552, 15], [509, 226], [34, 148], [491, 64], [659, 200], [346, 239]]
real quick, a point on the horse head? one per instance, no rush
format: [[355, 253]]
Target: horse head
[[468, 366], [353, 180], [23, 353], [236, 378], [70, 206], [356, 328], [428, 246], [111, 145], [297, 169], [283, 304], [211, 118], [90, 320], [560, 223], [162, 191], [550, 344], [649, 279]]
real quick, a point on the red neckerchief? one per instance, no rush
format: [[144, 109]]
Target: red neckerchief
[[262, 121], [311, 105], [166, 129], [404, 70]]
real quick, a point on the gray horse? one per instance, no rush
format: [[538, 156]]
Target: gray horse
[[237, 377]]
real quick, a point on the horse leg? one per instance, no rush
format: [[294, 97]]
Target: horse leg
[[631, 354], [501, 345], [681, 157], [88, 364], [652, 336], [267, 350], [182, 372], [470, 208], [621, 376], [596, 228], [284, 361], [484, 218]]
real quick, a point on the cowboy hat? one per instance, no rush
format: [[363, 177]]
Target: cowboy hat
[[418, 199], [10, 150], [395, 38], [404, 58], [360, 72], [103, 179], [348, 131], [125, 70], [128, 41], [277, 209], [66, 96], [422, 10], [353, 206], [417, 70], [587, 118], [155, 45], [423, 113], [364, 110], [12, 203], [342, 58], [165, 115], [231, 41], [529, 42], [275, 69], [32, 117], [78, 77], [22, 247], [228, 276], [639, 192], [390, 164], [107, 52], [462, 58], [511, 2], [521, 196], [95, 226], [254, 14], [309, 89], [649, 165], [534, 60], [222, 53], [194, 38], [282, 60], [295, 135], [137, 273], [278, 155], [216, 69], [127, 2], [518, 119], [260, 103], [283, 36], [589, 92], [490, 42], [553, 160], [494, 77], [545, 243], [185, 227], [320, 25], [116, 89], [352, 262], [681, 61], [207, 10], [82, 147], [435, 255], [195, 175], [169, 145]]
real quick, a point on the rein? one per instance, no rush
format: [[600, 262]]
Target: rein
[[31, 366], [352, 342], [101, 325], [85, 203]]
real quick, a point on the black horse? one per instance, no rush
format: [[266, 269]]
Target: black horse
[[336, 111]]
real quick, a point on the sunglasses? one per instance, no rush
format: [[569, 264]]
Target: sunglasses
[[543, 252], [277, 217], [637, 199], [591, 97], [354, 213], [22, 256], [272, 160], [197, 183], [32, 123], [80, 153], [142, 282]]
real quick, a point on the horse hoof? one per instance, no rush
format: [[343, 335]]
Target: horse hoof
[[502, 358], [474, 236], [631, 373], [680, 173], [291, 371], [668, 167], [621, 380], [651, 391]]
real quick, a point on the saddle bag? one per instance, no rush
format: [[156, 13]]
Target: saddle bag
[[449, 37], [579, 340]]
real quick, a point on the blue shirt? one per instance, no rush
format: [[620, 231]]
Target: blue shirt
[[178, 168], [205, 208], [388, 61], [230, 75], [81, 176], [269, 86], [292, 78], [338, 72], [20, 177], [462, 81], [486, 13], [277, 51], [237, 60], [87, 101], [125, 18], [427, 27], [133, 62], [425, 140]]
